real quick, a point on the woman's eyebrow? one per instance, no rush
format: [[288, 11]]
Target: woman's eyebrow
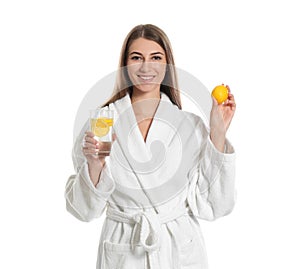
[[153, 53], [158, 52]]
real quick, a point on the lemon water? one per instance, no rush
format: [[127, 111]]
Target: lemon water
[[101, 127]]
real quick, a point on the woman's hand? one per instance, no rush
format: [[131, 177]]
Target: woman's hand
[[220, 118], [91, 148]]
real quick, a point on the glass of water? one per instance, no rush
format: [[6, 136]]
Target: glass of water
[[101, 124]]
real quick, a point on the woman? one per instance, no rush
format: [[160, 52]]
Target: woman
[[166, 169]]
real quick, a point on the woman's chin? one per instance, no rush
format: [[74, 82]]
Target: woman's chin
[[146, 88]]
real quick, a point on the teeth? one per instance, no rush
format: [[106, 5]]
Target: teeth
[[146, 78]]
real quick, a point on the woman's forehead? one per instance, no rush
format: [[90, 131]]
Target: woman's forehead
[[146, 46]]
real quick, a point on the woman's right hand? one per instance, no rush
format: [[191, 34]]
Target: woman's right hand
[[90, 149]]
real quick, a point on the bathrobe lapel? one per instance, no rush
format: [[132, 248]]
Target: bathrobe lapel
[[150, 164]]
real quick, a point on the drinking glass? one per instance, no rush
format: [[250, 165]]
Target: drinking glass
[[101, 124]]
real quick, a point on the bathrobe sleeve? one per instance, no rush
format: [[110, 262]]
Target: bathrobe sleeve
[[83, 199], [211, 192]]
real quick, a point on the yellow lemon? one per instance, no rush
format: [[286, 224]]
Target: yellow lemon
[[100, 127], [220, 92]]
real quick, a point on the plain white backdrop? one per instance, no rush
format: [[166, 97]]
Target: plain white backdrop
[[53, 52]]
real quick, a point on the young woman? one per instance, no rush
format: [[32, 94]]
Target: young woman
[[166, 169]]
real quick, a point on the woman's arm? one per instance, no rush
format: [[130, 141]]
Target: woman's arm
[[211, 191], [212, 180], [220, 118], [88, 190], [95, 162]]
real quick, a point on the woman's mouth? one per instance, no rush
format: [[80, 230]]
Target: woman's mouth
[[144, 78]]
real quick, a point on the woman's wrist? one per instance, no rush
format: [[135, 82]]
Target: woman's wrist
[[95, 169], [218, 140]]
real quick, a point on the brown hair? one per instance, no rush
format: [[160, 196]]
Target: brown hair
[[169, 85]]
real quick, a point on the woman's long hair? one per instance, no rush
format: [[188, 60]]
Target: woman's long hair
[[169, 84]]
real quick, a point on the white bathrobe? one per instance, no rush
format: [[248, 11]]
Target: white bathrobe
[[155, 191]]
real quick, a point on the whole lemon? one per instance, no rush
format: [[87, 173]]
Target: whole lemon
[[220, 92]]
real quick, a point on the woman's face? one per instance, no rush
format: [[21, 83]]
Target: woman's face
[[146, 65]]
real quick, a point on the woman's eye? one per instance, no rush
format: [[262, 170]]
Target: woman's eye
[[135, 58], [156, 58]]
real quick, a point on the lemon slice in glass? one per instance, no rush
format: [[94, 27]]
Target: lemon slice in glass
[[108, 121], [101, 128]]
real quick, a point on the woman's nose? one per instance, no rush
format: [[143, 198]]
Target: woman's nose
[[145, 67]]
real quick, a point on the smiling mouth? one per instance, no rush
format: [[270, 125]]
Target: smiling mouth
[[146, 78]]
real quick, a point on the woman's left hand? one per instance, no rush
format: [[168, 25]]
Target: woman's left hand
[[220, 118]]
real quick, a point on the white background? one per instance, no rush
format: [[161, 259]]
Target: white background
[[53, 52]]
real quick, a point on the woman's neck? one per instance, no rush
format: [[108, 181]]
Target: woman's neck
[[139, 95], [145, 103]]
